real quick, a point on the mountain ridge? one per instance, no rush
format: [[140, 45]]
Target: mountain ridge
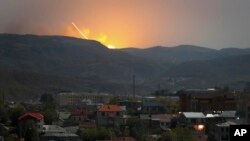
[[88, 62], [185, 53]]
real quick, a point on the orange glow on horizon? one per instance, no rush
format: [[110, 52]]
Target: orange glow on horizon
[[111, 47], [85, 33]]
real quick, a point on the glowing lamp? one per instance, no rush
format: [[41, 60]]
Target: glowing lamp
[[199, 127]]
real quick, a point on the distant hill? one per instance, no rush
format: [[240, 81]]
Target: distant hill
[[31, 65], [208, 73], [234, 51], [184, 53], [82, 62], [66, 56], [20, 85]]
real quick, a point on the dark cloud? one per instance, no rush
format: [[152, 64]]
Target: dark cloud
[[139, 23]]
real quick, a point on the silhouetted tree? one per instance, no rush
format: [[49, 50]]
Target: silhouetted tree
[[50, 115], [28, 130], [3, 114], [168, 136], [137, 128], [16, 112], [47, 98], [183, 134], [95, 134]]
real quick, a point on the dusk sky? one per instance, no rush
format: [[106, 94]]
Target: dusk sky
[[134, 23]]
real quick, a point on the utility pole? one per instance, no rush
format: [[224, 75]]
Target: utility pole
[[3, 96], [133, 85], [159, 87]]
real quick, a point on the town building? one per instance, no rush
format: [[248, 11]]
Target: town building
[[37, 117], [247, 110], [158, 121], [52, 129], [193, 120], [72, 98], [163, 121], [60, 137], [131, 105], [152, 108], [228, 115], [196, 100], [222, 132], [109, 115], [80, 114], [244, 110]]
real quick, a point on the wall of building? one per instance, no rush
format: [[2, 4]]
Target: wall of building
[[104, 120], [201, 102], [70, 98]]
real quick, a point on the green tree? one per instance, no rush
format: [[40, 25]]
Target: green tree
[[88, 135], [169, 104], [114, 100], [3, 114], [47, 98], [183, 134], [28, 130], [103, 134], [50, 115], [49, 110], [178, 134], [150, 138], [3, 132], [162, 92], [168, 136], [95, 134], [15, 113], [48, 101], [137, 128]]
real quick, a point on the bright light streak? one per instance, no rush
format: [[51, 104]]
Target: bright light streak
[[85, 37]]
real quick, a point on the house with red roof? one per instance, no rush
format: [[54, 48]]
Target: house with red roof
[[80, 114], [37, 117], [109, 115]]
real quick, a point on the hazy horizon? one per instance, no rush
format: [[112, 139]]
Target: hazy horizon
[[146, 47], [134, 23]]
